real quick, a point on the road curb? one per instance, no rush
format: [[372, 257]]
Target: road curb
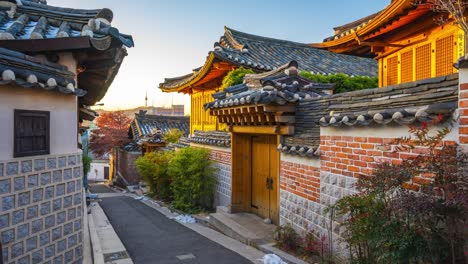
[[98, 257], [113, 251], [271, 249]]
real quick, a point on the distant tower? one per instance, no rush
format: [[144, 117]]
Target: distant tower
[[146, 99]]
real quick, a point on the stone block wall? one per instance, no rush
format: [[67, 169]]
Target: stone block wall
[[222, 162], [41, 209], [309, 186], [300, 193]]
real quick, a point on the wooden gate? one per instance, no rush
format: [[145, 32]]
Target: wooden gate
[[264, 177]]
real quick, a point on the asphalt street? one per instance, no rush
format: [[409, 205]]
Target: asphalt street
[[150, 237]]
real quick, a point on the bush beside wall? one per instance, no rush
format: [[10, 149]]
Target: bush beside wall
[[186, 178]]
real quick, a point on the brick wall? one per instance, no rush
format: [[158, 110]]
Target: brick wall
[[300, 179], [222, 162], [126, 166], [300, 193], [463, 111], [353, 156], [41, 209]]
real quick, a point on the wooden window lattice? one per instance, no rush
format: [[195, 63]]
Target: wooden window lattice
[[32, 133], [444, 56], [407, 66], [392, 70], [423, 62]]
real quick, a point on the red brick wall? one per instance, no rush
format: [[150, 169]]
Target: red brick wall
[[463, 110], [302, 180], [354, 156]]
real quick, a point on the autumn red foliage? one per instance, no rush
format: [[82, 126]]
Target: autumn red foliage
[[112, 131]]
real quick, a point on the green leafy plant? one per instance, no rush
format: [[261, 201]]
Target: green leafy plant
[[235, 77], [287, 238], [86, 160], [173, 135], [411, 212], [153, 167], [193, 180], [343, 83], [86, 164]]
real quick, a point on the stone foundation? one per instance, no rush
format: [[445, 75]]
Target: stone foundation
[[41, 209], [222, 162]]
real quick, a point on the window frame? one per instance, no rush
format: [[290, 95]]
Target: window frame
[[17, 114]]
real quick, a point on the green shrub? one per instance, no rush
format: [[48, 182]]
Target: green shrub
[[343, 83], [86, 160], [393, 220], [173, 135], [86, 164], [235, 77], [153, 167], [193, 181]]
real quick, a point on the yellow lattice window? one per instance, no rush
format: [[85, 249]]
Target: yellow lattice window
[[423, 62], [406, 66], [392, 70], [444, 56]]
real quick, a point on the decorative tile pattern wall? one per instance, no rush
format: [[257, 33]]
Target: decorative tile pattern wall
[[41, 209]]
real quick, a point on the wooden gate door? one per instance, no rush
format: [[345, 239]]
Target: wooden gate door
[[265, 177], [106, 173]]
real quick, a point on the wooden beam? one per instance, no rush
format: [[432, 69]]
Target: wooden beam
[[280, 108], [270, 130], [285, 119], [41, 45]]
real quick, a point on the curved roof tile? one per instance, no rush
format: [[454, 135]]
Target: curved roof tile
[[264, 54]]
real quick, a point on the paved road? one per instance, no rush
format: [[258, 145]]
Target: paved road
[[99, 188], [152, 238]]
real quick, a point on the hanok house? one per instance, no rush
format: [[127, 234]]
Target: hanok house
[[53, 62], [261, 54], [141, 131], [418, 80]]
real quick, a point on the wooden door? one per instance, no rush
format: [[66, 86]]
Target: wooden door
[[106, 173], [264, 177]]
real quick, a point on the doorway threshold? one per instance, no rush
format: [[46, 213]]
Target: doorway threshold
[[244, 227]]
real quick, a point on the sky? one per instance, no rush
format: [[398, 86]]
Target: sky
[[172, 37]]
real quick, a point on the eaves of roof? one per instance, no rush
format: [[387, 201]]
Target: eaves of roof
[[393, 9]]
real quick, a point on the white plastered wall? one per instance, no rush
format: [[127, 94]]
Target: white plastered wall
[[63, 117], [96, 173], [389, 131]]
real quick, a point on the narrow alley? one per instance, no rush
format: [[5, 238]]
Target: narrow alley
[[150, 237]]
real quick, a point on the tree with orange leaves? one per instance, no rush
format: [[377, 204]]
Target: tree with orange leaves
[[112, 131]]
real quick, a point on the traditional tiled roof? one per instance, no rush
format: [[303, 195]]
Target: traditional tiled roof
[[132, 147], [278, 87], [144, 124], [299, 150], [37, 20], [213, 138], [419, 101], [357, 37], [354, 25], [33, 27], [29, 72], [265, 54]]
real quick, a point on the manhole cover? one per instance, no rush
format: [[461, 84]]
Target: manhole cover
[[115, 256], [185, 257]]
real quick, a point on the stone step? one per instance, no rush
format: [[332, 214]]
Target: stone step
[[246, 228]]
